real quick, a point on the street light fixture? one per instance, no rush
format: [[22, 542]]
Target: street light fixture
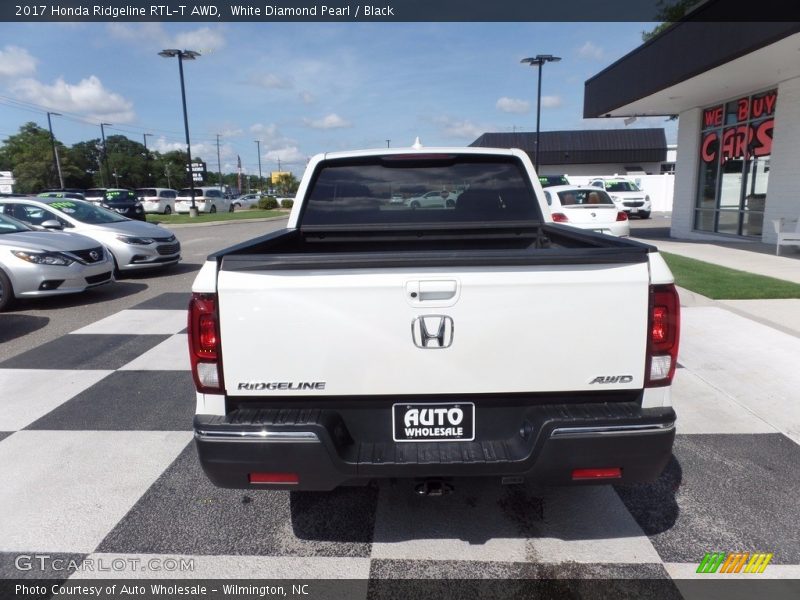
[[55, 152], [538, 61], [105, 151], [184, 55]]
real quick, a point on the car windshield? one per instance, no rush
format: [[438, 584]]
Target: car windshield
[[479, 189], [118, 196], [581, 197], [85, 212], [9, 225], [621, 186], [548, 180], [95, 192]]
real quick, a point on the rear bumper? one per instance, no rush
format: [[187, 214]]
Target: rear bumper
[[550, 442]]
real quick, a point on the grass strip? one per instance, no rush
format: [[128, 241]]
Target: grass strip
[[175, 219], [722, 283]]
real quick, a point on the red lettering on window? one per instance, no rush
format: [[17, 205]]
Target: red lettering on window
[[712, 117], [763, 137], [709, 147], [735, 141], [743, 109]]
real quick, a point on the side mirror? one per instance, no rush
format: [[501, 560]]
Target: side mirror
[[52, 224]]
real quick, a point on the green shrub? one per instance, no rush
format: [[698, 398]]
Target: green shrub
[[287, 203], [267, 203]]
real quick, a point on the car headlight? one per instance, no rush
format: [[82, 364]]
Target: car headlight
[[139, 241], [42, 257]]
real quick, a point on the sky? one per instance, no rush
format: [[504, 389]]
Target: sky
[[303, 88]]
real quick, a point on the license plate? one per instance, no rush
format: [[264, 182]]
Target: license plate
[[433, 422], [634, 210]]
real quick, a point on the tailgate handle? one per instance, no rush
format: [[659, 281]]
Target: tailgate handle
[[437, 290]]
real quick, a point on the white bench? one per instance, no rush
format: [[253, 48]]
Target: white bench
[[786, 238]]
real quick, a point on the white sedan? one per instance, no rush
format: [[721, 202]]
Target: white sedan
[[586, 208]]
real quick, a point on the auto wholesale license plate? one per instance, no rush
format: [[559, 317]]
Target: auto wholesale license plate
[[433, 422]]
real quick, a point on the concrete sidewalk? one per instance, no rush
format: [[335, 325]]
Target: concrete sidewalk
[[752, 257]]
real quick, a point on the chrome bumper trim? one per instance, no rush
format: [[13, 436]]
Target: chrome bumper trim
[[256, 436], [611, 430]]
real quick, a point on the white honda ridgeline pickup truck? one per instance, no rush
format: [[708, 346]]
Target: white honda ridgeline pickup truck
[[373, 339]]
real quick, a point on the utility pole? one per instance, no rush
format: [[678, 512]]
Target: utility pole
[[105, 152], [539, 61], [258, 145], [147, 157], [219, 165], [55, 152]]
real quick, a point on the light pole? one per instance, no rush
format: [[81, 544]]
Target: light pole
[[55, 152], [258, 145], [538, 61], [219, 165], [184, 55], [105, 151]]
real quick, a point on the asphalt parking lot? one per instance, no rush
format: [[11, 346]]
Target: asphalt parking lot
[[97, 460]]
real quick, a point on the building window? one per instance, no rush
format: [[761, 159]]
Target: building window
[[735, 147]]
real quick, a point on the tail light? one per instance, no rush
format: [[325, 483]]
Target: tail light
[[663, 335], [559, 218], [622, 215], [204, 344]]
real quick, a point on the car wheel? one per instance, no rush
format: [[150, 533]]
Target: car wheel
[[414, 204], [6, 291], [232, 208], [167, 210], [213, 209], [117, 273], [644, 215], [450, 203]]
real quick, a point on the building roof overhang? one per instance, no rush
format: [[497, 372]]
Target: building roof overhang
[[695, 64]]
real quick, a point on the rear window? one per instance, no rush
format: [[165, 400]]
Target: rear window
[[621, 186], [581, 197], [436, 189], [142, 192]]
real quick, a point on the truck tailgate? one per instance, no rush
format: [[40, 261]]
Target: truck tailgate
[[357, 331]]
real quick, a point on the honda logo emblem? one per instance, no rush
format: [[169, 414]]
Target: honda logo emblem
[[432, 331]]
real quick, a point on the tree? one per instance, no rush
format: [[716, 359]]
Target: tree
[[287, 184], [669, 12], [85, 157], [29, 154]]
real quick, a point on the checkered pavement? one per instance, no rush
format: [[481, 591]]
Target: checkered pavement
[[97, 462]]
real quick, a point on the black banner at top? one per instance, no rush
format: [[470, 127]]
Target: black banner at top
[[392, 10]]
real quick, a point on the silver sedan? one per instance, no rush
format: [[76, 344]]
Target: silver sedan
[[44, 263], [133, 244]]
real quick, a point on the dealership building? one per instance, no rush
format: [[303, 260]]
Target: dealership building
[[735, 88]]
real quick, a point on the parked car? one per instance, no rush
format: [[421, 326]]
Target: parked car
[[95, 195], [157, 200], [246, 201], [124, 202], [133, 245], [206, 199], [42, 263], [435, 199], [550, 180], [625, 194], [586, 208], [62, 194]]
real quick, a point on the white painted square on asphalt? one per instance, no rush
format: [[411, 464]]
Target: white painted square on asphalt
[[170, 355], [171, 566], [702, 408], [63, 491], [142, 322], [28, 394], [484, 521]]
